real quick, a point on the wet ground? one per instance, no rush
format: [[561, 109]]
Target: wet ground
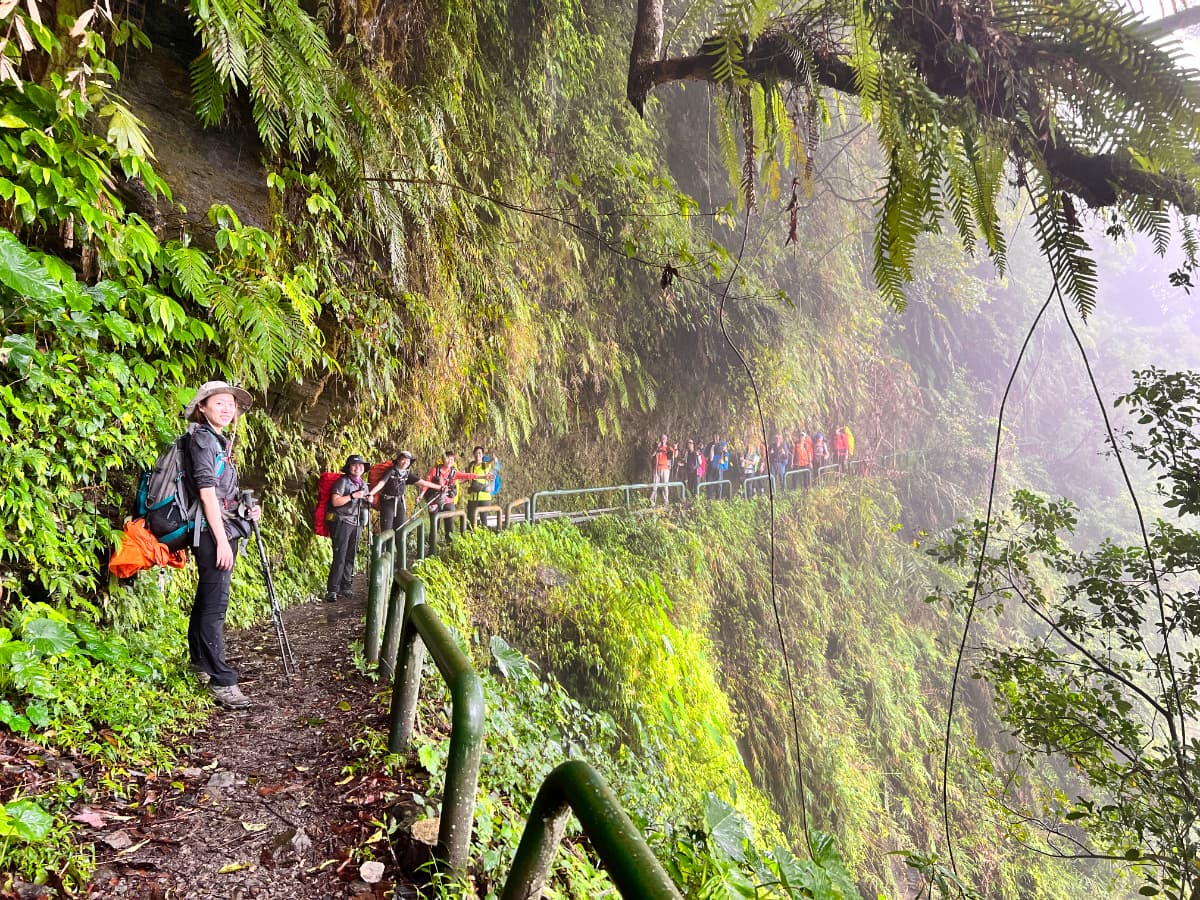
[[271, 802]]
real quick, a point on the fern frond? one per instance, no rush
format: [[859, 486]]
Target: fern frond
[[1061, 239]]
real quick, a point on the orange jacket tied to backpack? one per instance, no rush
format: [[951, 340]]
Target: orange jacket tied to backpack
[[139, 550]]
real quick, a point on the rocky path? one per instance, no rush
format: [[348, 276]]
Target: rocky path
[[271, 802]]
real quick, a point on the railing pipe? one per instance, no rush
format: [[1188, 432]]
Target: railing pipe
[[416, 524], [490, 508], [423, 627], [508, 515], [753, 482], [724, 485], [452, 516], [575, 785], [793, 477], [626, 489]]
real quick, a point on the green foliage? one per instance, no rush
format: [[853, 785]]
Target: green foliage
[[1106, 675], [533, 724], [666, 626]]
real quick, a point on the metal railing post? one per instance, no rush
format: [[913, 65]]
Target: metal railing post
[[377, 591], [406, 591], [524, 501], [575, 785], [422, 626]]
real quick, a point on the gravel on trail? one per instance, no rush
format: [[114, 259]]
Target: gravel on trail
[[271, 802]]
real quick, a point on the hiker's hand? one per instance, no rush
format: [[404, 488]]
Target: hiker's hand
[[224, 554], [255, 513]]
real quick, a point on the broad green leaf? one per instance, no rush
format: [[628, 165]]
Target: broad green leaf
[[30, 822], [48, 637], [23, 272], [726, 827], [12, 719], [511, 663]]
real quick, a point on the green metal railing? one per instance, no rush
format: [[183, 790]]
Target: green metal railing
[[484, 510], [575, 785], [827, 469], [454, 518], [417, 525], [796, 478], [383, 565], [523, 504], [627, 490], [723, 485], [422, 628], [756, 484]]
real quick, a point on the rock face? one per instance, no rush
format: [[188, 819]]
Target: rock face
[[202, 166]]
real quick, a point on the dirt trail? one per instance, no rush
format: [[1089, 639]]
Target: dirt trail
[[263, 806]]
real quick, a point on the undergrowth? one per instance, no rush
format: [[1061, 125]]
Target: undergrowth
[[661, 629]]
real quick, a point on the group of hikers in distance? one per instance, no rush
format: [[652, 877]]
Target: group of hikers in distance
[[345, 499], [720, 461]]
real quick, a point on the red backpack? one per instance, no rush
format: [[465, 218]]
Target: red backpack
[[323, 514], [377, 471]]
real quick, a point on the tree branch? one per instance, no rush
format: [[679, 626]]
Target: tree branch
[[1097, 179]]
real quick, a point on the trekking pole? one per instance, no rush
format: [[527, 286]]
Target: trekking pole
[[285, 645]]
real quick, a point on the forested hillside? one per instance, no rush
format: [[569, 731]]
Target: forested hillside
[[558, 229]]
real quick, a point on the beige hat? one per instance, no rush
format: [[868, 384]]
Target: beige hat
[[192, 413]]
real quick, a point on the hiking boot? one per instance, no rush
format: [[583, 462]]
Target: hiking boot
[[199, 674], [331, 597], [229, 696]]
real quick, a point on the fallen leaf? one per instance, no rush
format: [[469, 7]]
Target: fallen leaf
[[344, 706], [346, 780], [89, 817], [254, 827], [230, 868], [268, 789], [302, 768], [138, 846]]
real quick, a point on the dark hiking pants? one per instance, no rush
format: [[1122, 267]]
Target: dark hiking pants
[[393, 512], [206, 626], [345, 545]]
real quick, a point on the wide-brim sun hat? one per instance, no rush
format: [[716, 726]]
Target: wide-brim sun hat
[[242, 396], [353, 459]]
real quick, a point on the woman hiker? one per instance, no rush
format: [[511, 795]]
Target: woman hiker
[[214, 409]]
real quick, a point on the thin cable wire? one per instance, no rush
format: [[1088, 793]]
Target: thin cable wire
[[762, 425], [962, 644], [1137, 508]]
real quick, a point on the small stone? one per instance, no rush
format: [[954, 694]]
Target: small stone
[[426, 831], [371, 872], [300, 842], [221, 780], [192, 773], [118, 840], [26, 891]]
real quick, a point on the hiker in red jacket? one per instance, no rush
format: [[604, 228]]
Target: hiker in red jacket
[[445, 477], [663, 459]]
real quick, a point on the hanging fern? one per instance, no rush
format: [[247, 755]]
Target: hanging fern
[[1060, 236]]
